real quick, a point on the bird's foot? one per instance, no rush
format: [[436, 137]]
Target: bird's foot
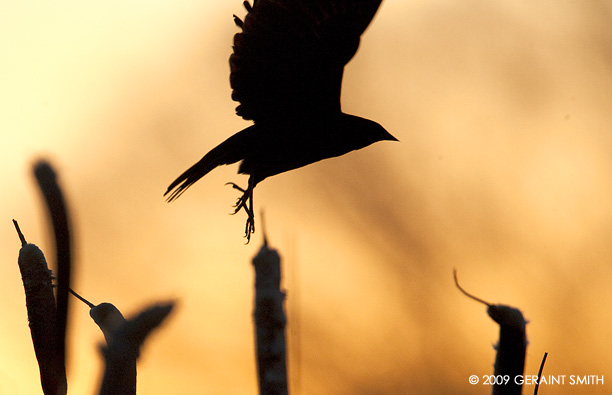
[[242, 201], [245, 202]]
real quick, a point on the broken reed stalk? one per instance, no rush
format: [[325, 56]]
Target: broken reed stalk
[[105, 315], [123, 349], [40, 304], [511, 348], [56, 205], [124, 339], [270, 322], [108, 318]]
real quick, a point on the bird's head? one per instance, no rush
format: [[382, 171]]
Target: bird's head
[[363, 131]]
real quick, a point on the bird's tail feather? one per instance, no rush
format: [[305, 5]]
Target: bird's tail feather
[[230, 151], [188, 178]]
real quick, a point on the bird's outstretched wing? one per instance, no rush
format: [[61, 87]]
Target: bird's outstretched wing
[[288, 60]]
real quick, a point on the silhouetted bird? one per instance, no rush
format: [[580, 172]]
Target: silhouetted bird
[[286, 72]]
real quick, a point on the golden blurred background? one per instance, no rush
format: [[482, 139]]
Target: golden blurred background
[[504, 172]]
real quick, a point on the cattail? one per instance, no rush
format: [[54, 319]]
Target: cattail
[[270, 322], [511, 348], [40, 304], [121, 353], [108, 318], [53, 197], [124, 338], [52, 194], [105, 315]]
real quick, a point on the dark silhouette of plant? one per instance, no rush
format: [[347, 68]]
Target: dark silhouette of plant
[[124, 339], [42, 315], [123, 347], [511, 348], [47, 315], [270, 321]]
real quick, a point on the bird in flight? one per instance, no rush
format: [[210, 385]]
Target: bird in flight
[[286, 73]]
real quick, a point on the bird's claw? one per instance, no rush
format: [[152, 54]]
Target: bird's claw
[[245, 202], [241, 203], [249, 228]]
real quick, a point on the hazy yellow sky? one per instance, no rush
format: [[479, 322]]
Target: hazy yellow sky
[[504, 171]]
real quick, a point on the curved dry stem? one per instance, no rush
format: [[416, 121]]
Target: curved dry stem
[[469, 295]]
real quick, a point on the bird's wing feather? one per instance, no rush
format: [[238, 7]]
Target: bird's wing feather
[[289, 58]]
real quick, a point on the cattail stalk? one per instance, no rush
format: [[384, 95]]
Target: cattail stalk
[[270, 322], [58, 213], [511, 348], [40, 304]]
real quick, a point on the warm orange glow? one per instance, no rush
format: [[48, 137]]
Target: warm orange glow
[[503, 172]]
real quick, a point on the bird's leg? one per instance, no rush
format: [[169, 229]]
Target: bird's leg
[[246, 202]]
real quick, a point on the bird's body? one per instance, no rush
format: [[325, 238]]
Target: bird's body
[[286, 72]]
